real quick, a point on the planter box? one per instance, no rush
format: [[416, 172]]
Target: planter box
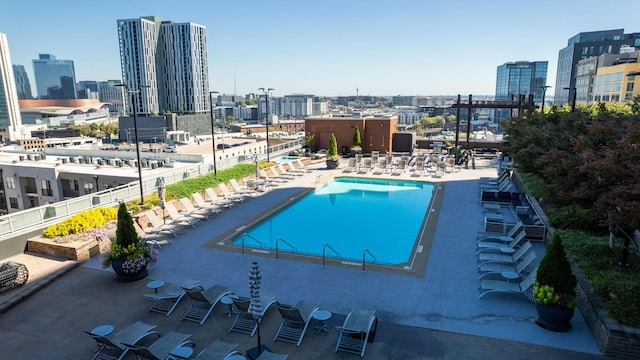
[[77, 250]]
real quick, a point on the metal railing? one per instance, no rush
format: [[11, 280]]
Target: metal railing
[[364, 260], [245, 235], [278, 239], [321, 179], [324, 247], [29, 220]]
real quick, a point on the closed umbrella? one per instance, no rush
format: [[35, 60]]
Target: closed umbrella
[[257, 167], [255, 306], [161, 194]]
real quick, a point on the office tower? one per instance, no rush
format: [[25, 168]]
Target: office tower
[[520, 78], [22, 82], [55, 79], [583, 46], [87, 89], [109, 93], [170, 58], [9, 108]]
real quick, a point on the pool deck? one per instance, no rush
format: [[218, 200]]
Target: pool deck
[[437, 316]]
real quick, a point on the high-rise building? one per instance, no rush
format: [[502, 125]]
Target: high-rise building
[[22, 82], [87, 89], [520, 78], [55, 79], [171, 59], [10, 119], [296, 106], [108, 92], [582, 46]]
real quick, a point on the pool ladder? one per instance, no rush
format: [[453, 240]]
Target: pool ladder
[[321, 179], [278, 239], [252, 238], [364, 258], [324, 249]]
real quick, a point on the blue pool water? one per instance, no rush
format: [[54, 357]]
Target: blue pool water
[[285, 159], [349, 214]]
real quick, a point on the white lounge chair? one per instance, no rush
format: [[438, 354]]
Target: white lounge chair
[[216, 199], [490, 268], [506, 286], [179, 219], [484, 246], [203, 302], [166, 301], [192, 211], [112, 346], [162, 348], [158, 226], [217, 350], [201, 203], [237, 189], [358, 328], [506, 258], [245, 322], [295, 320]]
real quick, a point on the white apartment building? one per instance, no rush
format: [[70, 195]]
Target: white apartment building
[[171, 59], [296, 106], [10, 120]]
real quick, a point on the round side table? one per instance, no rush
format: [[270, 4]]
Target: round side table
[[183, 352], [509, 275], [102, 330], [155, 285], [321, 316], [228, 300]]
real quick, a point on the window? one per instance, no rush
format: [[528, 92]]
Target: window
[[11, 182], [13, 202], [617, 76], [46, 188], [629, 86]]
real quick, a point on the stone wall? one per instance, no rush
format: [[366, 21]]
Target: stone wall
[[78, 250]]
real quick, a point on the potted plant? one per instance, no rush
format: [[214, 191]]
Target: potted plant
[[356, 143], [128, 255], [554, 289], [332, 154]]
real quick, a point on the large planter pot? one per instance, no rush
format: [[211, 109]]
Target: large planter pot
[[116, 265], [332, 164], [554, 317]]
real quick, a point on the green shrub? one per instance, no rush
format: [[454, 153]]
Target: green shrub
[[85, 220], [555, 282], [575, 217]]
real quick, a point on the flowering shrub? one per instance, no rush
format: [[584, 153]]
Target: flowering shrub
[[129, 245], [99, 233], [85, 220]]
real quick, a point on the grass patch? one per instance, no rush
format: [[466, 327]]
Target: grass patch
[[618, 288]]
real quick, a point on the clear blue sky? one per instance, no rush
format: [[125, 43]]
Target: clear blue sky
[[329, 47]]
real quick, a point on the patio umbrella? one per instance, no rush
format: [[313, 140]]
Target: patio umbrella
[[255, 306], [161, 194], [257, 167]]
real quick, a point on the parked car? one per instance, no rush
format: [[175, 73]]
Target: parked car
[[171, 149], [223, 146]]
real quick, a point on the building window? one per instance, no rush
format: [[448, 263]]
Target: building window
[[13, 202], [46, 188], [629, 86], [11, 183]]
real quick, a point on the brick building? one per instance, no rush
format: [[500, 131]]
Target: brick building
[[376, 131]]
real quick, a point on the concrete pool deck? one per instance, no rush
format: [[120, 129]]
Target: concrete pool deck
[[435, 316]]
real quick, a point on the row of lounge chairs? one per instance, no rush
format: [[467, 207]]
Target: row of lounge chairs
[[505, 262], [129, 338], [295, 318]]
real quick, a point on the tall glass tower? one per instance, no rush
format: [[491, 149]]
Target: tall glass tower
[[520, 78], [10, 119], [22, 82], [55, 79]]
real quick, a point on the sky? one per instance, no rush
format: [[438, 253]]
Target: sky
[[324, 48]]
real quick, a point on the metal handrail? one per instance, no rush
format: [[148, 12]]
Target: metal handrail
[[254, 239], [321, 179], [324, 249], [278, 239], [364, 253]]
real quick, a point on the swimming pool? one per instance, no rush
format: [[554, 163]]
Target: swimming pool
[[285, 159], [349, 215]]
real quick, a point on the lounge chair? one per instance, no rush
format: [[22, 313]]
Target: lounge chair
[[273, 180], [351, 165], [179, 219], [228, 195], [358, 328], [111, 347], [484, 246], [302, 167], [201, 203], [504, 175], [162, 348], [216, 199], [237, 189], [506, 286], [290, 172], [158, 226], [192, 211], [506, 258], [203, 302], [268, 355], [490, 268], [382, 166], [245, 322], [295, 320], [166, 301], [217, 350], [501, 237]]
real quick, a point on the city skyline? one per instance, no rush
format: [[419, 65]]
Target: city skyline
[[333, 48]]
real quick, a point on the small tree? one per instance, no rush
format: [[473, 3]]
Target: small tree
[[125, 233], [555, 282], [332, 153], [357, 139]]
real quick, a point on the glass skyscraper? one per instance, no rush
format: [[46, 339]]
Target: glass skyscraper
[[520, 78], [22, 82], [55, 79], [171, 59], [10, 119]]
